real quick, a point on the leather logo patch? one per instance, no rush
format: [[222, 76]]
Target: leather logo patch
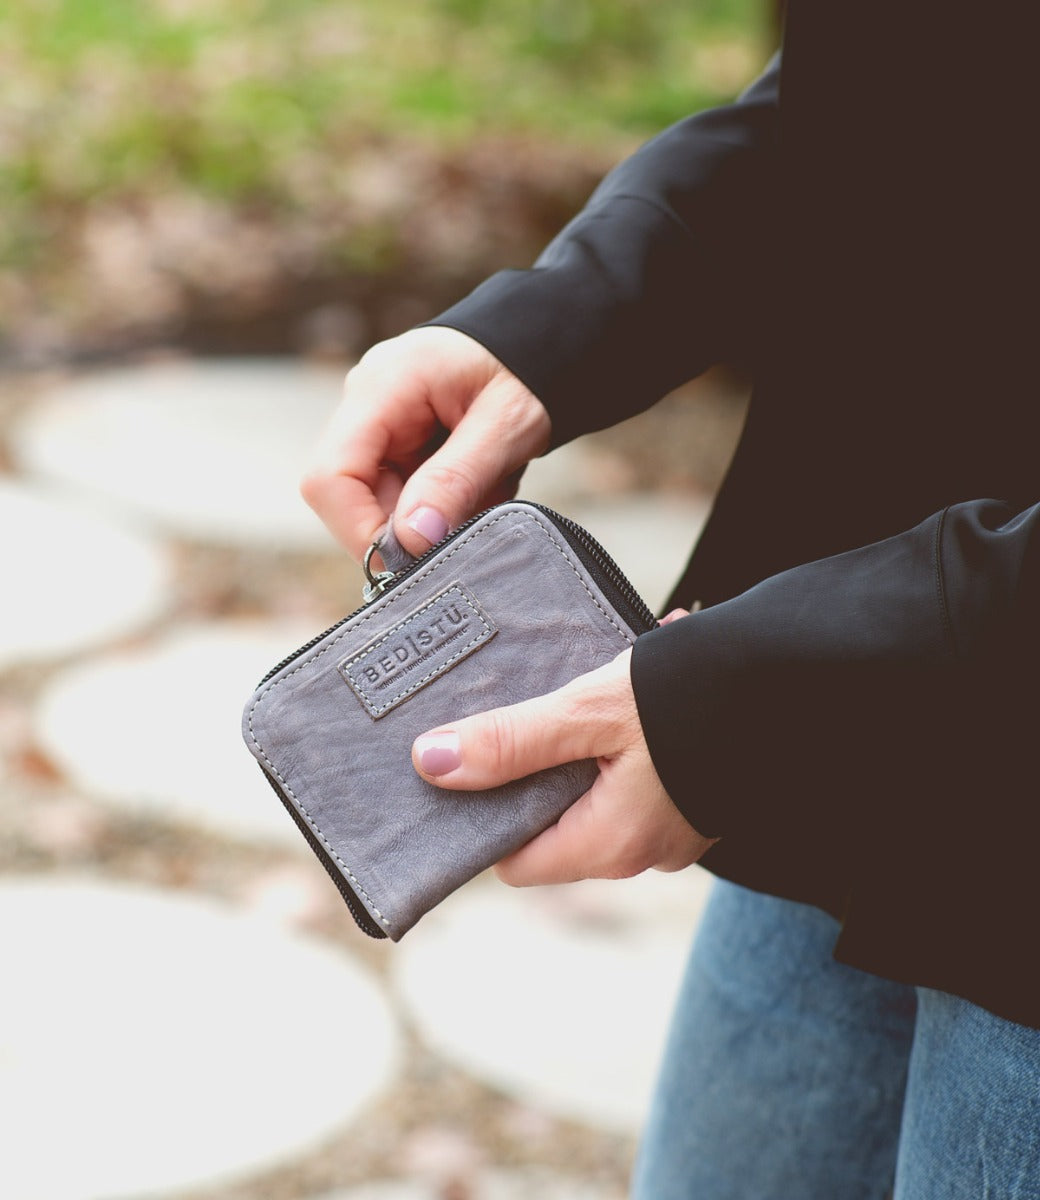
[[418, 649]]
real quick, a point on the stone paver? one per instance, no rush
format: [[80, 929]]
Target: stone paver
[[532, 1184], [560, 996], [164, 1041], [209, 449], [151, 1042], [157, 730], [71, 577]]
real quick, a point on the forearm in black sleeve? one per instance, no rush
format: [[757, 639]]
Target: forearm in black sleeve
[[918, 646], [652, 282]]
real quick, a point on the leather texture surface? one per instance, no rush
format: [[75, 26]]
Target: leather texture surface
[[401, 844]]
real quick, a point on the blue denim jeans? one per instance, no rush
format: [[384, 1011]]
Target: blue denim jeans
[[788, 1076]]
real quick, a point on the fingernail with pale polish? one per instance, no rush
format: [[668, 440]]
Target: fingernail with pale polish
[[438, 753], [428, 523]]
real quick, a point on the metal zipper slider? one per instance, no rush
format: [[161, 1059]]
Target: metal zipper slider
[[377, 583]]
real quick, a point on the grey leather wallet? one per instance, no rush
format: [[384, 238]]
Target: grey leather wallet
[[515, 603]]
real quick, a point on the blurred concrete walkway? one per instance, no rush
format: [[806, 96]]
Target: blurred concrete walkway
[[187, 1010]]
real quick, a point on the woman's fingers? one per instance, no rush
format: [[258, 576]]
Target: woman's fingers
[[624, 824], [589, 717], [431, 426], [502, 430]]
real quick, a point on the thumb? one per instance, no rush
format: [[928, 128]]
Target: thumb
[[592, 716], [501, 431]]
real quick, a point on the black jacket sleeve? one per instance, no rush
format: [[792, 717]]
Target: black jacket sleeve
[[907, 660], [652, 282]]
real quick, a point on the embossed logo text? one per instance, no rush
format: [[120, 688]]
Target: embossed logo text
[[419, 648]]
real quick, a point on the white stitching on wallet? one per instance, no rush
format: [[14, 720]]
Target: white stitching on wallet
[[439, 669], [310, 821], [396, 597]]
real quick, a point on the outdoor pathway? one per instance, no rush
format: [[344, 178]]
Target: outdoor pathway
[[187, 1010]]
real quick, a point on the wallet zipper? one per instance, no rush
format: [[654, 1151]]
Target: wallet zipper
[[603, 569]]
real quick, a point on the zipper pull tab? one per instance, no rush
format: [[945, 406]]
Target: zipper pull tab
[[377, 583]]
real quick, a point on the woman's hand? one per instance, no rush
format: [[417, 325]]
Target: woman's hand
[[432, 428], [624, 824]]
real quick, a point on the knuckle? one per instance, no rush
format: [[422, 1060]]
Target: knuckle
[[594, 714], [583, 703], [520, 408], [375, 355], [312, 486], [353, 380], [501, 742], [375, 362], [359, 383]]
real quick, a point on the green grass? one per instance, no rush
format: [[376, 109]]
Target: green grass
[[102, 93], [107, 100]]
